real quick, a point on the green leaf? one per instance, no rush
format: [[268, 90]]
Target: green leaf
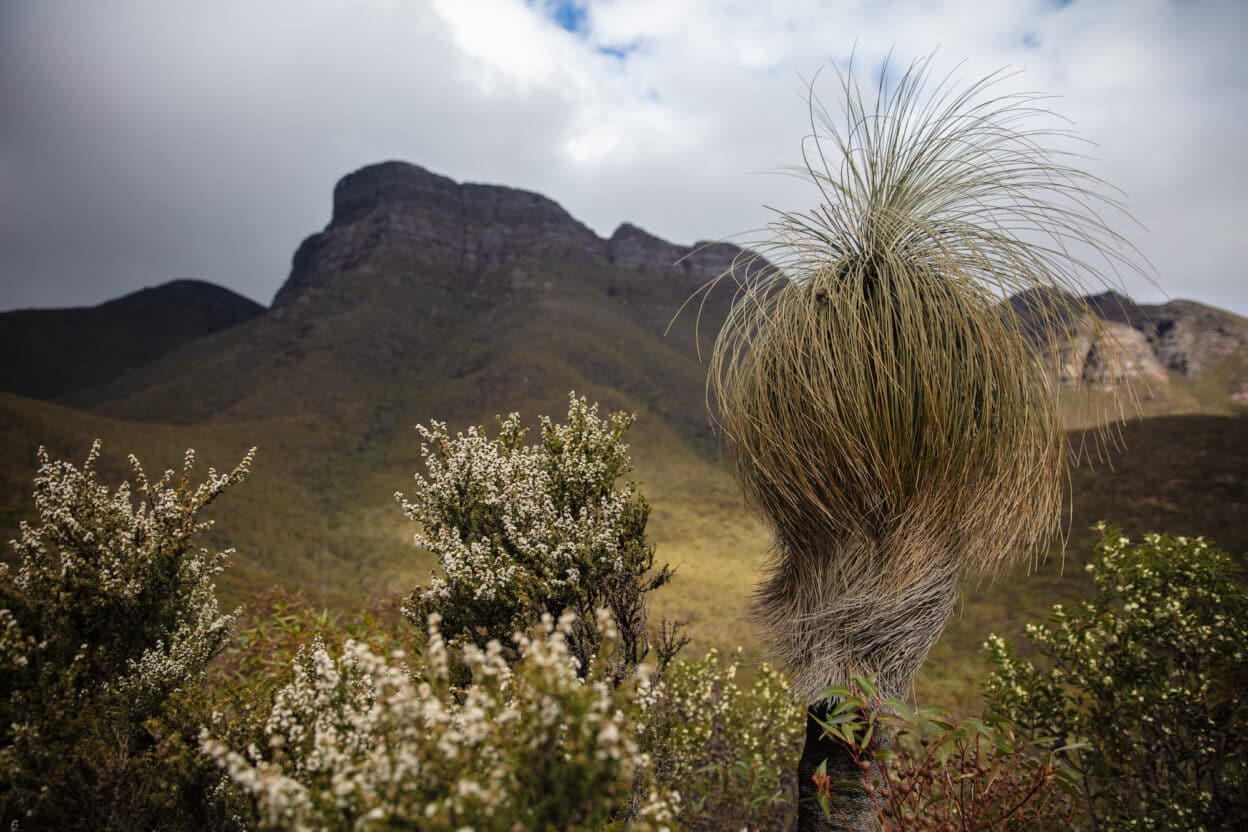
[[852, 704], [835, 692], [899, 706]]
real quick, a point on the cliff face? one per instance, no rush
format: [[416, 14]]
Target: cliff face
[[1187, 337], [1108, 357], [395, 208], [1123, 342]]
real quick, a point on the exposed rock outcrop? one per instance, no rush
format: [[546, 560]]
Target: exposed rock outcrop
[[400, 210], [1108, 356], [1127, 341], [403, 210], [1187, 337], [632, 248]]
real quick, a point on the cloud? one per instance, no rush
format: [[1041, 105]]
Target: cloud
[[142, 141]]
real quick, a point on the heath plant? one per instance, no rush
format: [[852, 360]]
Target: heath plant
[[1142, 691], [729, 748], [110, 613], [525, 530], [538, 741]]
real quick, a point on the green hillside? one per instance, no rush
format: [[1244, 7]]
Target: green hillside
[[405, 310]]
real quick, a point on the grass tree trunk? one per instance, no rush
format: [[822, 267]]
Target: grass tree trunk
[[853, 811]]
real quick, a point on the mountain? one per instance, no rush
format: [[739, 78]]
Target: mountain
[[421, 299], [424, 298], [438, 298], [52, 352], [1177, 357]]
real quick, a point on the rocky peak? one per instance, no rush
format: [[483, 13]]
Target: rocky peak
[[1192, 338], [1134, 341], [395, 211], [390, 185], [1117, 307], [396, 208], [633, 248], [1187, 337]]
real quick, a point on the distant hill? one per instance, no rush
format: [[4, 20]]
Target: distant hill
[[424, 298], [52, 352]]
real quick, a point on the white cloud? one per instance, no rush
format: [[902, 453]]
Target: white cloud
[[143, 141]]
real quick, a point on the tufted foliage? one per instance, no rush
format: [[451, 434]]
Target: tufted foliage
[[886, 413]]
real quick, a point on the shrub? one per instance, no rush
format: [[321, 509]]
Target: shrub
[[279, 623], [521, 531], [1149, 679], [243, 682], [111, 612], [730, 750], [361, 742], [922, 771]]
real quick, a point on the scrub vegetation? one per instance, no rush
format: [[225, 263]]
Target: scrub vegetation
[[118, 716]]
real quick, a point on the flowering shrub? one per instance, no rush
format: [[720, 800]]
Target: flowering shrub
[[112, 610], [244, 680], [362, 742], [922, 771], [1149, 680], [522, 531], [730, 750]]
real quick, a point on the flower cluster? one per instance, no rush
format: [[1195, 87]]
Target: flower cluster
[[361, 741], [732, 749], [112, 609], [1148, 680], [525, 530]]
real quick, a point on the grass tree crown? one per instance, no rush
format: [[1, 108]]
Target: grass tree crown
[[887, 414]]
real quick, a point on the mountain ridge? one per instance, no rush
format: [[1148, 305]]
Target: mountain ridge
[[55, 352], [474, 229], [431, 258]]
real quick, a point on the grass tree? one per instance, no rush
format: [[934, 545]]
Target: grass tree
[[887, 413]]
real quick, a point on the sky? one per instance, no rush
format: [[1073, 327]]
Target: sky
[[147, 140]]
